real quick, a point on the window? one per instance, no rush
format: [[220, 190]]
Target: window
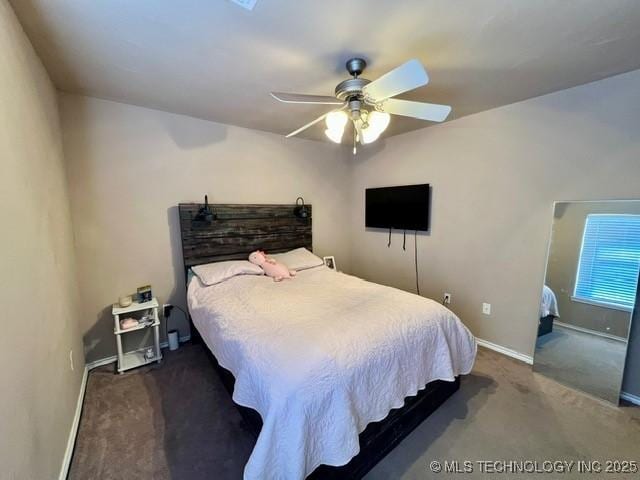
[[609, 261]]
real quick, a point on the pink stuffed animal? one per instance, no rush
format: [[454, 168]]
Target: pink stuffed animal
[[271, 268]]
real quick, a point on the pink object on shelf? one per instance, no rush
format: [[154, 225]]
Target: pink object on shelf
[[127, 323]]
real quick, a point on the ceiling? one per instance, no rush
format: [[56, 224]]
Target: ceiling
[[214, 60]]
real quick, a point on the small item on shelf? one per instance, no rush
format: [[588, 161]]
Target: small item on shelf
[[127, 323], [144, 294], [146, 320], [149, 353], [125, 301]]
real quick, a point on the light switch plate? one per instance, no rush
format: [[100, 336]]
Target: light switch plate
[[486, 308], [247, 4]]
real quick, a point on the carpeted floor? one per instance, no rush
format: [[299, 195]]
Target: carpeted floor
[[581, 360], [175, 421]]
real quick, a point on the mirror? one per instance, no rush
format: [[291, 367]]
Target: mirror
[[588, 295]]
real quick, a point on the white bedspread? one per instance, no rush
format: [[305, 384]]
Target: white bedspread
[[549, 304], [321, 356]]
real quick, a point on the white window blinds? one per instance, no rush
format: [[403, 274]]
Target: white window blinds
[[609, 260]]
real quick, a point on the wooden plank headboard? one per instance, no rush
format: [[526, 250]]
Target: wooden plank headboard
[[239, 230]]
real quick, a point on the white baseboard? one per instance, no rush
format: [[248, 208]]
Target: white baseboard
[[71, 441], [66, 462], [630, 398], [529, 360], [101, 361], [114, 358], [505, 351], [590, 332]]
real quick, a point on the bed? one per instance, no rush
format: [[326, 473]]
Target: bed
[[548, 311], [329, 371]]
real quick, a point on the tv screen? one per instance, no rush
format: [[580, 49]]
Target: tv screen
[[402, 208]]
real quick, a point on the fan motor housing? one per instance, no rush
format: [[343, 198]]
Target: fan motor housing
[[355, 66], [351, 88]]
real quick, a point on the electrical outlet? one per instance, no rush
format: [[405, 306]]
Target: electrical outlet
[[486, 308], [166, 310], [446, 299], [71, 360]]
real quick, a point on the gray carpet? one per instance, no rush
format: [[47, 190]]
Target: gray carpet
[[175, 421], [590, 363], [168, 421]]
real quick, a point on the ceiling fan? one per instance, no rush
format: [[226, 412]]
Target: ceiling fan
[[368, 103]]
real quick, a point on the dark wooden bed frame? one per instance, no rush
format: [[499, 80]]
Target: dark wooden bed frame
[[237, 230], [545, 325]]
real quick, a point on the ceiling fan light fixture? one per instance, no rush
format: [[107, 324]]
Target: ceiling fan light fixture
[[336, 120], [357, 96], [368, 136], [379, 121], [334, 135]]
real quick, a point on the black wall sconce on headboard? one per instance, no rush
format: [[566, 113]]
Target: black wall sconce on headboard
[[301, 210], [204, 217]]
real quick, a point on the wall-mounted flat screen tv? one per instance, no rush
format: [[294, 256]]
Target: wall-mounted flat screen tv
[[403, 208]]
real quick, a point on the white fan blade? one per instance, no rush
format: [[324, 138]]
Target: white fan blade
[[299, 98], [406, 77], [424, 111], [312, 123]]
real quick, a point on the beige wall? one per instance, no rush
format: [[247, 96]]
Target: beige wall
[[129, 167], [495, 176], [38, 289], [562, 266]]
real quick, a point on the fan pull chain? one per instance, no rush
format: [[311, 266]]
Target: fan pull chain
[[355, 148]]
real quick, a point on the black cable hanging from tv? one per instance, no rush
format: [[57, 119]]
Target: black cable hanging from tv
[[415, 247], [402, 208]]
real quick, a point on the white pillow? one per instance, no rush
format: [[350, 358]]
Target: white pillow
[[212, 273], [298, 259]]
